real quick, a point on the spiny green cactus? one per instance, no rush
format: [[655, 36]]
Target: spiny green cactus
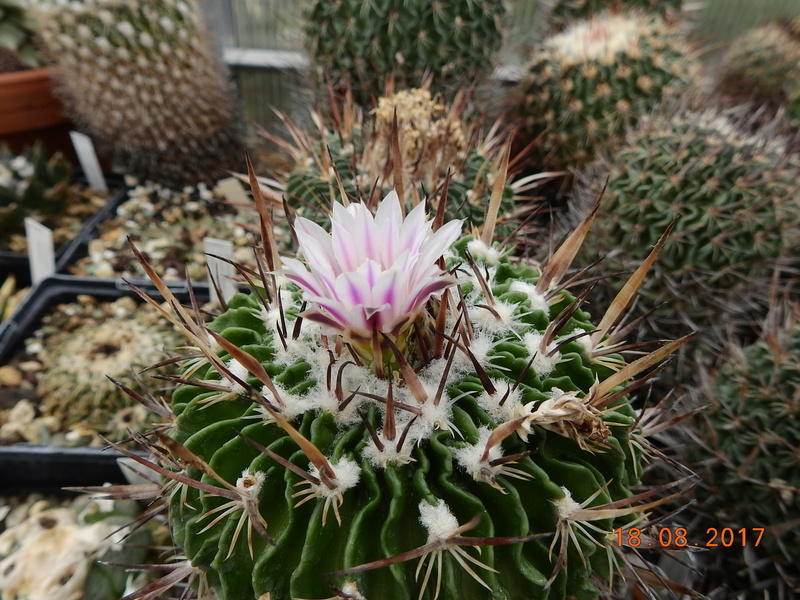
[[731, 194], [431, 140], [585, 86], [17, 47], [143, 80], [360, 45], [371, 422], [763, 65], [32, 184], [746, 451], [562, 12]]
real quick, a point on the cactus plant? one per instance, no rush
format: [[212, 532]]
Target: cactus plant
[[563, 12], [432, 140], [745, 448], [359, 45], [17, 47], [731, 192], [73, 536], [143, 80], [367, 411], [586, 85], [762, 65], [82, 344]]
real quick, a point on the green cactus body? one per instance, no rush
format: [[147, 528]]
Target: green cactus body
[[142, 79], [420, 482], [748, 457], [764, 61], [432, 142], [589, 83], [731, 194], [564, 12], [361, 45]]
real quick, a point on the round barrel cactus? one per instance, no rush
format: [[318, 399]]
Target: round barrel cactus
[[362, 45], [746, 450], [730, 192], [586, 85], [431, 140], [370, 424], [562, 12]]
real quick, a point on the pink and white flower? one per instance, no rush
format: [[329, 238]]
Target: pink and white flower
[[371, 272]]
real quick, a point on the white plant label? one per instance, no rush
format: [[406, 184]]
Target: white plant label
[[233, 190], [88, 159], [219, 271], [41, 250]]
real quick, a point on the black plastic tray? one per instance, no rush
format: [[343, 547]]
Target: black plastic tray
[[17, 263]]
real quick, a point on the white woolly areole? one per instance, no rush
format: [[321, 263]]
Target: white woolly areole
[[491, 402], [542, 364], [350, 590], [469, 457], [238, 370], [347, 475], [438, 520], [585, 341], [380, 459], [537, 300], [482, 252], [250, 484], [566, 505], [599, 39], [484, 320]]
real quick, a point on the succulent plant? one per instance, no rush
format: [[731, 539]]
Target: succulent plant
[[17, 45], [745, 448], [142, 78], [361, 45], [31, 184], [731, 193], [366, 411], [762, 65], [431, 140], [563, 12], [73, 535], [82, 344], [586, 85]]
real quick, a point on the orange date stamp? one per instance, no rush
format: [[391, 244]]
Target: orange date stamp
[[677, 537]]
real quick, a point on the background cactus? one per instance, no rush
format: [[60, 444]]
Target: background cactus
[[562, 12], [142, 79], [432, 140], [763, 65], [362, 45], [17, 45], [731, 193], [511, 433], [586, 85], [745, 448]]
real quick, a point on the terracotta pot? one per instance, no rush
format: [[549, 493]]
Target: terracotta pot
[[29, 111]]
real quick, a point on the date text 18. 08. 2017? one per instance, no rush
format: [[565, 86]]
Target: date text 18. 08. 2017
[[667, 537]]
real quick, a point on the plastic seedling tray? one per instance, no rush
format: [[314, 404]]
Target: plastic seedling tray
[[17, 264], [27, 466]]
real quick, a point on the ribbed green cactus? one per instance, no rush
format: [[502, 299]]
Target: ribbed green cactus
[[360, 45], [585, 86], [17, 47], [746, 451], [763, 65], [432, 140], [562, 12], [143, 80], [731, 194], [32, 184], [390, 436]]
